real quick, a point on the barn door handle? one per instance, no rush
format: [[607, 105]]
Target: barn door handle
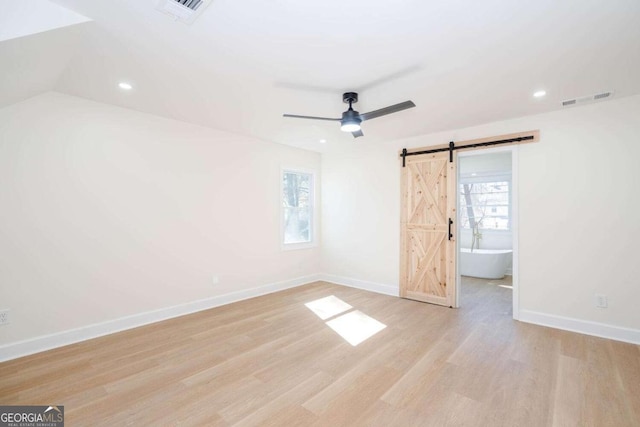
[[450, 224]]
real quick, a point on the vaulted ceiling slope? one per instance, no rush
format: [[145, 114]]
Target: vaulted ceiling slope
[[243, 63], [32, 56]]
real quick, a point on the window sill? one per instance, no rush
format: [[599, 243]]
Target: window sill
[[297, 246]]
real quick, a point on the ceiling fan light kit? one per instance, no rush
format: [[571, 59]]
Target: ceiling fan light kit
[[350, 126], [351, 119]]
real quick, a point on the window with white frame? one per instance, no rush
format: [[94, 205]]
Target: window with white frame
[[297, 208], [485, 204]]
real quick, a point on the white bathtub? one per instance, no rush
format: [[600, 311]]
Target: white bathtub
[[484, 263]]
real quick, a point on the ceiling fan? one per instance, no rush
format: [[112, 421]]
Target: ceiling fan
[[351, 119]]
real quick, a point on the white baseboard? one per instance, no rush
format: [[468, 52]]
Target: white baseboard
[[48, 342], [361, 284], [59, 339], [586, 327]]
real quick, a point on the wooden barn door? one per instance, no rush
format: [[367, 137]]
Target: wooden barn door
[[428, 250]]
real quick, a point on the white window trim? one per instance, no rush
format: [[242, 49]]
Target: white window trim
[[313, 214]]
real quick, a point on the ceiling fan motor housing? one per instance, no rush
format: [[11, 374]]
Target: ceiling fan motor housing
[[351, 116]]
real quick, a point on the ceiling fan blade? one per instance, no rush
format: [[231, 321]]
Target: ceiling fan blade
[[294, 116], [357, 133], [387, 110]]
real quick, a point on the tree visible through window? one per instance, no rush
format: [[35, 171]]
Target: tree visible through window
[[297, 199], [485, 205]]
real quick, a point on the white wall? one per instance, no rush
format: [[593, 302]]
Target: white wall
[[578, 210], [106, 212], [489, 163]]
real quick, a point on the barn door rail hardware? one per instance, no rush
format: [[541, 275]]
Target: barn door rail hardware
[[453, 147]]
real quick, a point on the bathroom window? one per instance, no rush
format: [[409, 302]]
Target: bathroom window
[[486, 205], [297, 209]]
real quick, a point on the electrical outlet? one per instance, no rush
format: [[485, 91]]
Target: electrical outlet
[[601, 301], [215, 280], [4, 316]]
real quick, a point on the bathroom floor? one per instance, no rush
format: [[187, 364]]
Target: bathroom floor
[[493, 297]]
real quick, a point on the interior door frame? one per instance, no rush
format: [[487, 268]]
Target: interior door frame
[[513, 149]]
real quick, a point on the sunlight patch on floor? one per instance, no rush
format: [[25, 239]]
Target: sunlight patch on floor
[[506, 286], [354, 326], [328, 307]]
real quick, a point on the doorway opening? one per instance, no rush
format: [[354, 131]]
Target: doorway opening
[[486, 276]]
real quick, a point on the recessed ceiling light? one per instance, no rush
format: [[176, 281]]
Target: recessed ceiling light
[[125, 86], [539, 94], [322, 141]]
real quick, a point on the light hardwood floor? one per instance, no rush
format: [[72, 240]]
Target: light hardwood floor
[[272, 361]]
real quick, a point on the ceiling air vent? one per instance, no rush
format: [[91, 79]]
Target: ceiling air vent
[[183, 10], [587, 99], [601, 96]]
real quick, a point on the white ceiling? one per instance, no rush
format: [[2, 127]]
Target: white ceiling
[[245, 62], [23, 18]]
